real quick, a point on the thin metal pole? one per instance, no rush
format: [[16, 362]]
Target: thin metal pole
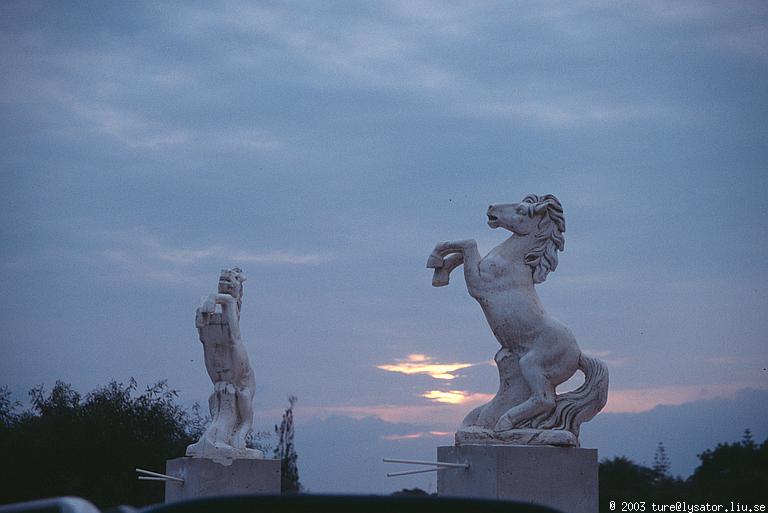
[[435, 463], [406, 472], [155, 474], [148, 478]]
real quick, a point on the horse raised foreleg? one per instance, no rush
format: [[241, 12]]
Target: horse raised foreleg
[[471, 266], [229, 312], [442, 274], [204, 311], [442, 249], [470, 257]]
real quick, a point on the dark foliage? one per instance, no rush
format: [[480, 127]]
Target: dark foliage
[[623, 480], [286, 451], [89, 446], [8, 409], [661, 460], [735, 472]]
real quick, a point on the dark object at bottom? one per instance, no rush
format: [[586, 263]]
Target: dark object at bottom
[[52, 505], [290, 504], [343, 503]]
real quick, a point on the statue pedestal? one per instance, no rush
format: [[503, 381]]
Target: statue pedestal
[[564, 478], [204, 477]]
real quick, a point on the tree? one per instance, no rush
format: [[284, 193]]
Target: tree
[[621, 479], [259, 440], [737, 471], [661, 461], [730, 472], [66, 444], [286, 452], [747, 440], [7, 409]]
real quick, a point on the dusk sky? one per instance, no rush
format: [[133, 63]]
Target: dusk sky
[[326, 147]]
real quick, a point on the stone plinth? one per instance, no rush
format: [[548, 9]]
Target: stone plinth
[[204, 477], [563, 478]]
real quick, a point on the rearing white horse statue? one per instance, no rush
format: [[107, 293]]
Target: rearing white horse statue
[[537, 353]]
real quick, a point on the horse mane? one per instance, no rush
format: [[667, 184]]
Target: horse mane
[[542, 257]]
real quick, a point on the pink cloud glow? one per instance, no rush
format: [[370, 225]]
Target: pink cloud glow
[[644, 399], [420, 434], [442, 418]]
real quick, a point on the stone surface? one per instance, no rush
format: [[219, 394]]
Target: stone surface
[[204, 477], [226, 361], [475, 435], [537, 353], [563, 478]]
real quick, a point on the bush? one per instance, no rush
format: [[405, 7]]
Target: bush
[[89, 447]]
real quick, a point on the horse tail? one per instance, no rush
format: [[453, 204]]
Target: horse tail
[[580, 405]]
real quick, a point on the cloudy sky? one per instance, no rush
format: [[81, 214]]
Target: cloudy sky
[[326, 147]]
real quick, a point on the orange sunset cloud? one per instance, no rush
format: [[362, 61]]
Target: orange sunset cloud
[[423, 364]]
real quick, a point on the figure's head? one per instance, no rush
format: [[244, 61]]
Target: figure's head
[[231, 282], [541, 217]]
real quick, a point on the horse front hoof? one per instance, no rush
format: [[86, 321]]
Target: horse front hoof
[[440, 279], [435, 262]]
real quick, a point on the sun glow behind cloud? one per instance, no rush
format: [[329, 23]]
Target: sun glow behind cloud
[[456, 396], [423, 364]]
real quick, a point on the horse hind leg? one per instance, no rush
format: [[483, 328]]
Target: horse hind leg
[[541, 400], [472, 417], [243, 401]]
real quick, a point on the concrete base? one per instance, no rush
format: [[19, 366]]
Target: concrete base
[[563, 478], [203, 477]]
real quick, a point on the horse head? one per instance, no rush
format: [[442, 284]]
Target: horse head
[[231, 282], [538, 216]]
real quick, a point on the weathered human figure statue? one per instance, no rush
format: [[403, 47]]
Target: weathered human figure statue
[[226, 361], [537, 353]]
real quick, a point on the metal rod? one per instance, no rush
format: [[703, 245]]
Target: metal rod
[[406, 472], [435, 463], [155, 474], [148, 478]]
